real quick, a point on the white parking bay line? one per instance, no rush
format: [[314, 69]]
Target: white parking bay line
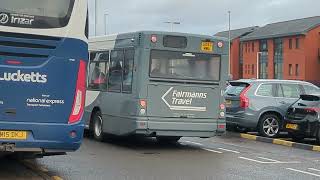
[[268, 159], [211, 150], [303, 172], [313, 169], [228, 150]]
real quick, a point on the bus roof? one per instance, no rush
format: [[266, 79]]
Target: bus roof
[[129, 35], [129, 39]]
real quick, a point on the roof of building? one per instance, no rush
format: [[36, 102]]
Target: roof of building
[[237, 32], [283, 29]]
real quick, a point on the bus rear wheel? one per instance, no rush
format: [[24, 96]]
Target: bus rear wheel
[[168, 139], [98, 126]]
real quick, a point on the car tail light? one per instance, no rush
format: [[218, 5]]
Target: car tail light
[[312, 110], [79, 98], [244, 100]]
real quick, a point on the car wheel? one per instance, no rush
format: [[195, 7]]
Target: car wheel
[[168, 139], [269, 126], [97, 126]]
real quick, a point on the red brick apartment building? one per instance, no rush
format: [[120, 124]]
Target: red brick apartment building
[[283, 50], [236, 34]]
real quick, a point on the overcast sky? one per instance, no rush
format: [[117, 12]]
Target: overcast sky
[[196, 16]]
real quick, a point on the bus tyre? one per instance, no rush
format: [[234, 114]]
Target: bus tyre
[[269, 125], [97, 126], [168, 139]]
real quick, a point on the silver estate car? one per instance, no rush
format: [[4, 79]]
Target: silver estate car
[[260, 105]]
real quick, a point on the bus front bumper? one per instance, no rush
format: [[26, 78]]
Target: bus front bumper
[[180, 127], [44, 138]]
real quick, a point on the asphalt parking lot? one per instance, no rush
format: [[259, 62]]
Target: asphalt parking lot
[[227, 157]]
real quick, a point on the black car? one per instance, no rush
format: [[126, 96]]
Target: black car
[[303, 118]]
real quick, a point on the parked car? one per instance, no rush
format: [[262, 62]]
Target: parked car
[[261, 105], [303, 118]]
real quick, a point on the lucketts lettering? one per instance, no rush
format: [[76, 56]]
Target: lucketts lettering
[[33, 77]]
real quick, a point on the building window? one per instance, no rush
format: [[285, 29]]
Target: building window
[[249, 68], [263, 60], [297, 43], [278, 58], [252, 46], [246, 47], [290, 43], [297, 70], [290, 70], [252, 69]]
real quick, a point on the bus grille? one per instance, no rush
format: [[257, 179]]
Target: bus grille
[[27, 45]]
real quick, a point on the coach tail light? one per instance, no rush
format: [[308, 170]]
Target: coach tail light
[[79, 98]]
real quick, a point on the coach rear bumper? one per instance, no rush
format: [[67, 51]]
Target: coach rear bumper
[[180, 127], [46, 138]]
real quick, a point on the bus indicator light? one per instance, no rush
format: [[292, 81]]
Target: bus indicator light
[[13, 62], [143, 103], [154, 38]]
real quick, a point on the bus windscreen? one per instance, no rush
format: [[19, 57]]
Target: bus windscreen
[[35, 13], [184, 65]]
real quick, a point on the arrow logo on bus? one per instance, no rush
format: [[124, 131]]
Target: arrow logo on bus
[[181, 108]]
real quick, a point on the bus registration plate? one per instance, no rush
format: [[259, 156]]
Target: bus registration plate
[[14, 135], [207, 46]]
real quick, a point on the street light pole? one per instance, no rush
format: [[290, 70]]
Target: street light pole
[[96, 17], [172, 23], [106, 15], [229, 70]]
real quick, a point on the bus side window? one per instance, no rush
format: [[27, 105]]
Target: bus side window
[[128, 70], [98, 72], [115, 71]]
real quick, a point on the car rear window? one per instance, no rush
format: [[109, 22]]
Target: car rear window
[[308, 101], [235, 89]]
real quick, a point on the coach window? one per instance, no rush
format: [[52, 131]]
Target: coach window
[[128, 70], [98, 71], [115, 71]]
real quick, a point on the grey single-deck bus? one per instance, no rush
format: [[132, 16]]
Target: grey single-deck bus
[[158, 84]]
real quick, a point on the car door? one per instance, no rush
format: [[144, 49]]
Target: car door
[[287, 95]]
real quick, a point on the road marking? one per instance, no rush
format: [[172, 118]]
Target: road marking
[[283, 142], [269, 161], [211, 150], [313, 169], [248, 136], [303, 172], [228, 150], [195, 143]]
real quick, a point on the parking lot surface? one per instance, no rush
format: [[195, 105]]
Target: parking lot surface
[[227, 157]]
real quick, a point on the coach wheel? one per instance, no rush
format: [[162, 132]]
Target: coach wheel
[[98, 126]]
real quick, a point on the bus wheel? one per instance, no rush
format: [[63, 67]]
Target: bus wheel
[[168, 139], [97, 126]]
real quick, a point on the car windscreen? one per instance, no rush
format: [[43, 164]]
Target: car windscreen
[[184, 65], [35, 13]]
